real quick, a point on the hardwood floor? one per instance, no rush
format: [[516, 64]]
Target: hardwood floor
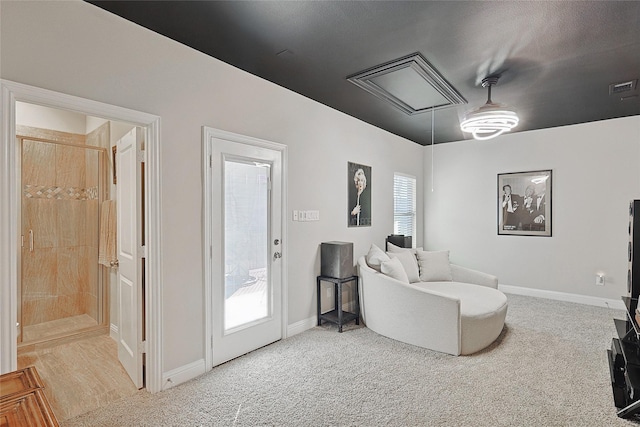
[[79, 376]]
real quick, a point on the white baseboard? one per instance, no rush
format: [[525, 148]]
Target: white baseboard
[[563, 296], [113, 332], [183, 374], [301, 326]]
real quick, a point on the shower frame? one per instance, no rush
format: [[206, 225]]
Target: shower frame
[[35, 134]]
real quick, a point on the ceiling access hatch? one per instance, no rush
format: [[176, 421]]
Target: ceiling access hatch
[[410, 84]]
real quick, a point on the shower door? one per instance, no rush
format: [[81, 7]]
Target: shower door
[[60, 288]]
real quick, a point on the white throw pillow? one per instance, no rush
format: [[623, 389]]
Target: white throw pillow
[[434, 266], [395, 249], [410, 264], [393, 268], [376, 257]]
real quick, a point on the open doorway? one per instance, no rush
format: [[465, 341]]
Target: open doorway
[[67, 298], [88, 301]]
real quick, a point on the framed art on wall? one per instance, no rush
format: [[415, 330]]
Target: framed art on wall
[[359, 195], [524, 203]]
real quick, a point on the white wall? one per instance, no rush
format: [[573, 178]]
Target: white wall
[[596, 173], [93, 54], [48, 118]]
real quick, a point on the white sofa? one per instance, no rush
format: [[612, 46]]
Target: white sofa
[[458, 317]]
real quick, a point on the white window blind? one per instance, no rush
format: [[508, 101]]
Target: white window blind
[[404, 205]]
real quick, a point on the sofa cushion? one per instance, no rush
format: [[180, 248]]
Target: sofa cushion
[[376, 257], [409, 262], [434, 266], [393, 268], [475, 301]]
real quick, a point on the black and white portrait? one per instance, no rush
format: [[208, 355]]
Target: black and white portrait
[[359, 191], [524, 203]]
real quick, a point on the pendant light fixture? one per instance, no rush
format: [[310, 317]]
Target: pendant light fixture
[[491, 119]]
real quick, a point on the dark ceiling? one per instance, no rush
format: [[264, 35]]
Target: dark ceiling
[[557, 59]]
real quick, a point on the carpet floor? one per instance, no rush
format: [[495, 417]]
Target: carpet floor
[[548, 368]]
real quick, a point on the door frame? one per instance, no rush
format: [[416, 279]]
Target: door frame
[[9, 208], [211, 229]]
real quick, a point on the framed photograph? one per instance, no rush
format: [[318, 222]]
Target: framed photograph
[[524, 203], [359, 191]]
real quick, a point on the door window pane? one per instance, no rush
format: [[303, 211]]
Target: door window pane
[[246, 256]]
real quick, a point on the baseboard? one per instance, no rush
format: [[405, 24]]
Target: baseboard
[[563, 296], [183, 374], [113, 332], [301, 326]]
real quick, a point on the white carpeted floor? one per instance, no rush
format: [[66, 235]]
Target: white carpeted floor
[[548, 368]]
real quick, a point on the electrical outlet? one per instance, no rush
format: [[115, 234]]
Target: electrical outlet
[[295, 215], [599, 279]]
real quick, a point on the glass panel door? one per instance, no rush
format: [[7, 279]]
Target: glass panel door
[[243, 200], [246, 248]]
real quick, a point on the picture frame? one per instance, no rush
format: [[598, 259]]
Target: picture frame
[[359, 195], [525, 203]]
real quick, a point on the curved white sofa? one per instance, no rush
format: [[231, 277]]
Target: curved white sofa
[[458, 317]]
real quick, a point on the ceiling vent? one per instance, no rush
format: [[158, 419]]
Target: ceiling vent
[[617, 88], [410, 84]]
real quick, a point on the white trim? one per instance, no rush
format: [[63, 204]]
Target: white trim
[[12, 92], [301, 326], [8, 236], [563, 296], [183, 374], [113, 332], [207, 207]]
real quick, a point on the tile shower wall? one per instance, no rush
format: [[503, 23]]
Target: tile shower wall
[[60, 206]]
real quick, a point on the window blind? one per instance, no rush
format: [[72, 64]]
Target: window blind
[[404, 205]]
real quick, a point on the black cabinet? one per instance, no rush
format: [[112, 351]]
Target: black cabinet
[[624, 362], [624, 355]]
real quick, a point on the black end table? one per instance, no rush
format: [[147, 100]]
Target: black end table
[[336, 315]]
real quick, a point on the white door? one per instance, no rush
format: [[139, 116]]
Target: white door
[[129, 244], [246, 247]]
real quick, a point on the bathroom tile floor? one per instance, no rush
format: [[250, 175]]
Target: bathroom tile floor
[[55, 327], [81, 375]]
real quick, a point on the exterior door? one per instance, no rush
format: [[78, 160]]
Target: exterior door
[[130, 254], [246, 247]]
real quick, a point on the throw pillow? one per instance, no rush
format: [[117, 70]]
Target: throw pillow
[[434, 266], [410, 264], [376, 257], [393, 268], [395, 249]]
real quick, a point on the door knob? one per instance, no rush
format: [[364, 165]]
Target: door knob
[[276, 242]]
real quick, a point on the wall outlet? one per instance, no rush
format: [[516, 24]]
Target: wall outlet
[[295, 215], [599, 279]]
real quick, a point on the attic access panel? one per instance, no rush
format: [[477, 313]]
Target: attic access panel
[[410, 84]]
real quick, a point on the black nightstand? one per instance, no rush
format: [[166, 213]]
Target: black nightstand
[[336, 315]]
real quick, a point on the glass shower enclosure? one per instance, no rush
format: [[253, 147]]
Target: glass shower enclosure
[[61, 284]]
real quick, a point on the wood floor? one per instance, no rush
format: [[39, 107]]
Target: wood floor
[[79, 376]]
